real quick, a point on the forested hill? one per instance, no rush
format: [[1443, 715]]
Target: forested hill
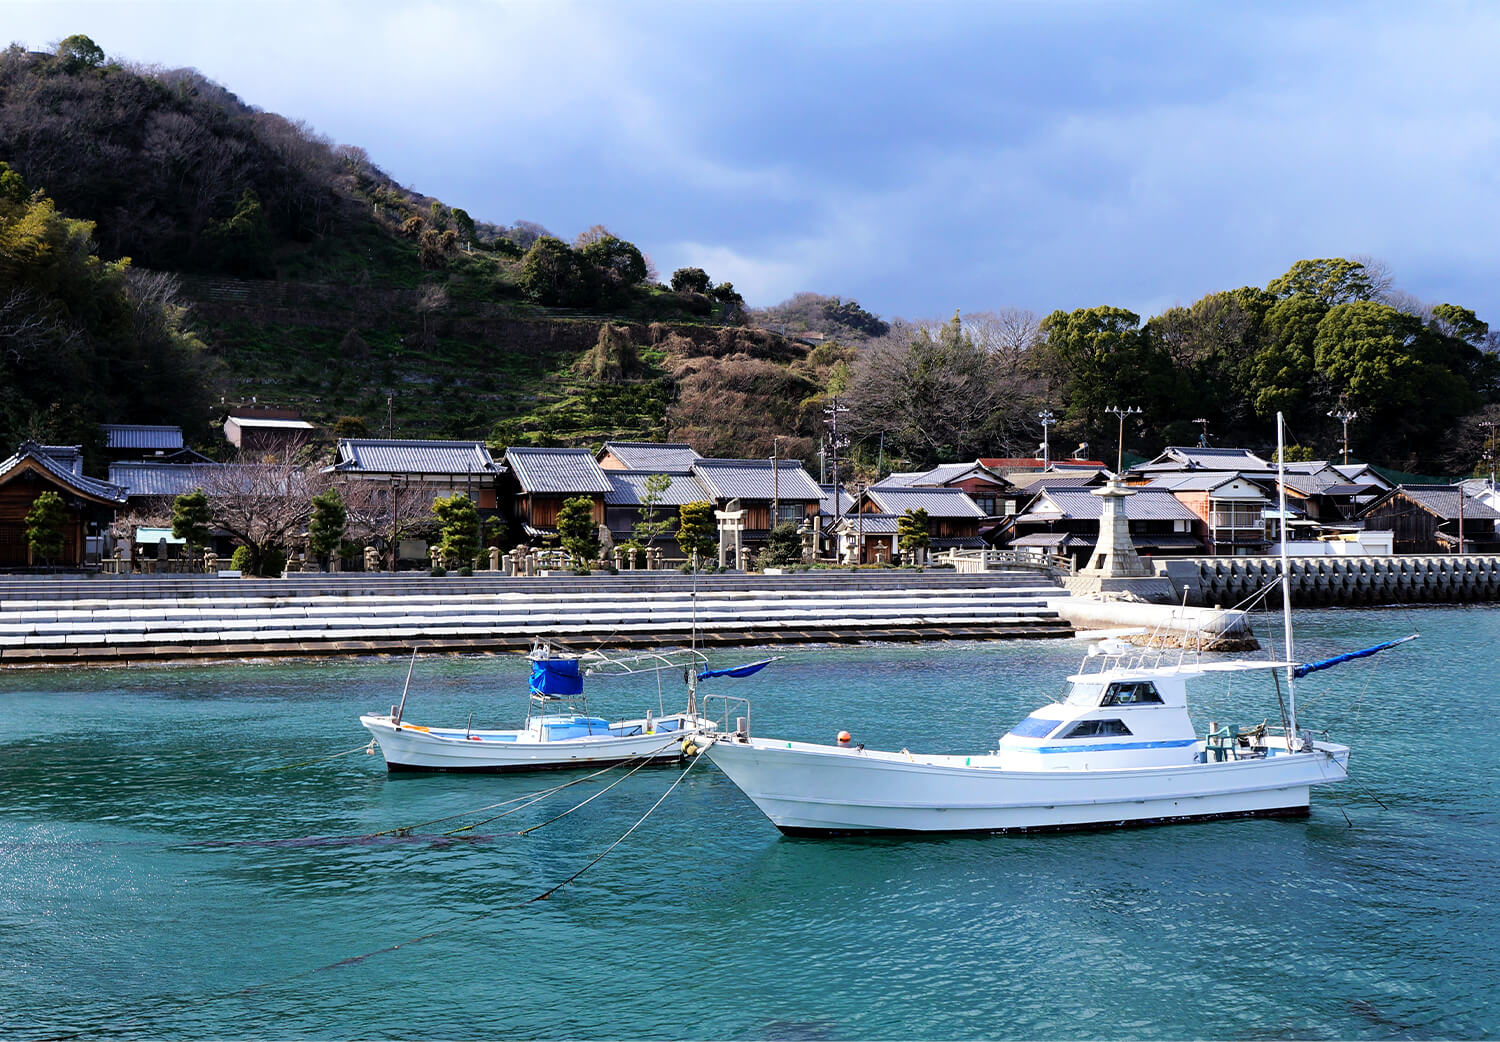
[[280, 267], [168, 251]]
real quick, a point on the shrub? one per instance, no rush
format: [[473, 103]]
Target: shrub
[[272, 562], [240, 559], [438, 570]]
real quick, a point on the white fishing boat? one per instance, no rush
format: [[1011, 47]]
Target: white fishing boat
[[1118, 748], [559, 731]]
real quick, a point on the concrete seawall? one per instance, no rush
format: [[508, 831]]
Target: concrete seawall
[[129, 619], [1340, 580]]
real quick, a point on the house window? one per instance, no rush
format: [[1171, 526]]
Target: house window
[[793, 512]]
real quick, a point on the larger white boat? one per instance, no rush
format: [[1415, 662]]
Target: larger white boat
[[1118, 748], [559, 731]]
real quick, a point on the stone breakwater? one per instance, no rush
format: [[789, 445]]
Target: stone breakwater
[[1327, 581], [132, 619]]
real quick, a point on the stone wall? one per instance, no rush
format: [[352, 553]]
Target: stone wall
[[1410, 579]]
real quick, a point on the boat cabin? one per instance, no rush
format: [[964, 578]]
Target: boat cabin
[[1115, 719]]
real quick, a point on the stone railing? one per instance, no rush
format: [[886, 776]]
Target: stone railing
[[1396, 579]]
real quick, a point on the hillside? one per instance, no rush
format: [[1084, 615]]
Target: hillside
[[314, 281]]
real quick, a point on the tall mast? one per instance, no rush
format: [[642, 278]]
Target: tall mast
[[1286, 589]]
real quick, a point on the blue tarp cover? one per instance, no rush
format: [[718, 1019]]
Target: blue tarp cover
[[1313, 667], [746, 670], [556, 676]]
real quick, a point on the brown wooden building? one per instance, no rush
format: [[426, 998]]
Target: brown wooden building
[[34, 469]]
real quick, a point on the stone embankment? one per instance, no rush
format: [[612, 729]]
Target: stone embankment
[[1340, 580], [141, 618]]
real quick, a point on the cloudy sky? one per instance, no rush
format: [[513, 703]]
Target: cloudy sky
[[918, 157]]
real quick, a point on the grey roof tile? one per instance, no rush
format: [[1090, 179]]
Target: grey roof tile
[[630, 487], [1146, 504], [728, 479], [63, 472], [657, 456], [398, 456], [141, 436], [557, 470], [938, 502]]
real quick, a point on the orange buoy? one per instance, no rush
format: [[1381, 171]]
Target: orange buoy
[[845, 738]]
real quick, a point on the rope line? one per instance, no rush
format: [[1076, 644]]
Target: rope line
[[321, 759]]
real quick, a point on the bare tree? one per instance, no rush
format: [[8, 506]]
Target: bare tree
[[263, 502], [381, 514]]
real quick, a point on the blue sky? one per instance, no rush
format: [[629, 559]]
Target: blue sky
[[919, 157]]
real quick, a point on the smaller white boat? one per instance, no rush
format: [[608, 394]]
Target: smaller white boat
[[559, 730]]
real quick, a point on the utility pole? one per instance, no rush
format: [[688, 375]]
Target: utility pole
[[1047, 420], [836, 444], [775, 481], [1344, 416], [1122, 411], [1490, 452]]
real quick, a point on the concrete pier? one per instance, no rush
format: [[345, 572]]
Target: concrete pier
[[129, 619]]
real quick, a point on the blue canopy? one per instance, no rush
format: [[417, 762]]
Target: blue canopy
[[1313, 667], [749, 669], [556, 676]]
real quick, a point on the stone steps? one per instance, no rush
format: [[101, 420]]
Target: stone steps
[[223, 619]]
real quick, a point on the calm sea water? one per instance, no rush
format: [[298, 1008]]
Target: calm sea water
[[164, 876]]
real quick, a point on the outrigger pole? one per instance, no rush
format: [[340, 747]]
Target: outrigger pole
[[396, 718]]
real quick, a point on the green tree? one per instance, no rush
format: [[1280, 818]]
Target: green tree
[[458, 525], [1100, 357], [914, 530], [650, 528], [325, 528], [690, 280], [783, 546], [1328, 280], [553, 274], [45, 523], [697, 530], [78, 52], [577, 530], [351, 427], [617, 266], [192, 518]]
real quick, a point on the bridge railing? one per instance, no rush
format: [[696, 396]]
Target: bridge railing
[[993, 560]]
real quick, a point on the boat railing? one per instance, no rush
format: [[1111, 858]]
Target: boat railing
[[725, 706], [597, 663]]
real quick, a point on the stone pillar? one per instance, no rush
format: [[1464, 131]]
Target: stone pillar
[[372, 559], [1114, 554], [494, 558]]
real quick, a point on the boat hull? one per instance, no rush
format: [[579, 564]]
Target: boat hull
[[815, 790], [412, 748]]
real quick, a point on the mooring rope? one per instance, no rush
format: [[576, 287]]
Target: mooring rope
[[370, 745]]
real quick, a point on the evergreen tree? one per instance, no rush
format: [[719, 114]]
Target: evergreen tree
[[191, 518], [577, 531], [697, 530], [325, 529], [44, 526], [458, 522]]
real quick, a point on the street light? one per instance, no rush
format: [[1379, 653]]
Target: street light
[[1122, 411], [1047, 420], [1344, 416]]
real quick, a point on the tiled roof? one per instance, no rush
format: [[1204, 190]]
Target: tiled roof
[[656, 456], [630, 487], [1146, 504], [828, 508], [1193, 480], [388, 456], [1057, 479], [900, 479], [869, 524], [38, 454], [751, 479], [150, 478], [1443, 501], [141, 436], [938, 502], [1181, 457], [940, 475], [557, 470]]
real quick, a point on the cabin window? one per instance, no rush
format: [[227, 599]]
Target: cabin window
[[1134, 693], [1096, 729], [1034, 727]]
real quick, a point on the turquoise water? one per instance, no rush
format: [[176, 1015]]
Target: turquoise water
[[163, 877]]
